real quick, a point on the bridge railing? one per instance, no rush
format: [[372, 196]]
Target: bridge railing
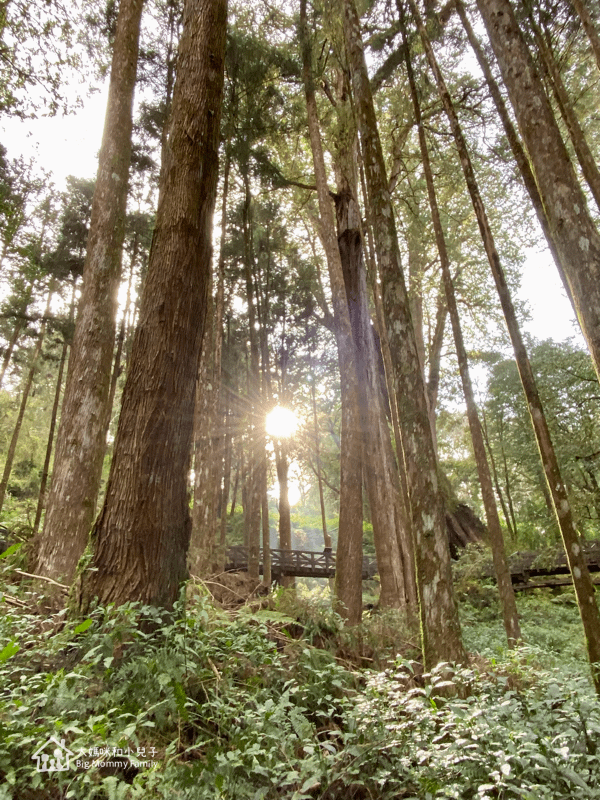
[[299, 563]]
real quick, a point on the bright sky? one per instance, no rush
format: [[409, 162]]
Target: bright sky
[[552, 315], [63, 145], [69, 146]]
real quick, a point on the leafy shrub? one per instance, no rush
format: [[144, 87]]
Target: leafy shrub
[[488, 741], [220, 706]]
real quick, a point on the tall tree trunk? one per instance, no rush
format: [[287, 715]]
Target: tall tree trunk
[[84, 419], [571, 225], [582, 582], [236, 482], [406, 543], [440, 625], [348, 577], [506, 509], [256, 456], [266, 528], [141, 537], [285, 521], [117, 364], [208, 435], [503, 577], [435, 357], [12, 448], [381, 473], [326, 537], [516, 146], [588, 165], [52, 429]]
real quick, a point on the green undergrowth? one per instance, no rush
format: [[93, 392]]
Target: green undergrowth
[[280, 702]]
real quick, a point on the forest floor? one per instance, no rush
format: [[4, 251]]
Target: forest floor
[[273, 698]]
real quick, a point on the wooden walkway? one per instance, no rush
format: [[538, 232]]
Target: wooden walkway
[[531, 570], [528, 570], [299, 563]]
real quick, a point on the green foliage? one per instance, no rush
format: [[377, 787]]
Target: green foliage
[[244, 706], [489, 740], [39, 54], [569, 391]]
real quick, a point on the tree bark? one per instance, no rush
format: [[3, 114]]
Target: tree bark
[[582, 150], [285, 522], [256, 411], [582, 582], [440, 625], [141, 537], [516, 146], [571, 225], [348, 577], [381, 473], [81, 438], [503, 577], [52, 429], [208, 435]]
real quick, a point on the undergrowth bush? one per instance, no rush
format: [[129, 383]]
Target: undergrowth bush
[[204, 705], [536, 741]]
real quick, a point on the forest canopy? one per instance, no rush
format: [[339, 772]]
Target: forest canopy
[[274, 354]]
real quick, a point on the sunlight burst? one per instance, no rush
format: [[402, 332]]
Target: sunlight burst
[[294, 493], [281, 422]]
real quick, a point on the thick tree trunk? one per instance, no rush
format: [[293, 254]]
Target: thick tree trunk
[[381, 473], [582, 150], [205, 493], [582, 582], [81, 438], [514, 141], [571, 225], [403, 528], [141, 538], [348, 578], [440, 625], [503, 577]]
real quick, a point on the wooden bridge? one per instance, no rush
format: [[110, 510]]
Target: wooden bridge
[[299, 563], [529, 570]]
